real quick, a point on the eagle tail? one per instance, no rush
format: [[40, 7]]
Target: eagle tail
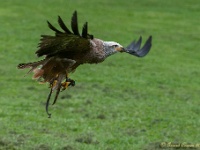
[[32, 65], [52, 70]]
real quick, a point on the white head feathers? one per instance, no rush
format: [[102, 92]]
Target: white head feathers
[[111, 47]]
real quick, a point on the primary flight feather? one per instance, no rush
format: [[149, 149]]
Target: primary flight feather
[[66, 50]]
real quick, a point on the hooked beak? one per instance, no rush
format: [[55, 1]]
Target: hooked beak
[[120, 49]]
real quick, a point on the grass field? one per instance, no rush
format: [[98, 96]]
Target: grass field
[[124, 103]]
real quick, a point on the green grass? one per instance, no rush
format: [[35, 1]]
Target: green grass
[[123, 103]]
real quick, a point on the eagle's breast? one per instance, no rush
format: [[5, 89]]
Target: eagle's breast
[[96, 54]]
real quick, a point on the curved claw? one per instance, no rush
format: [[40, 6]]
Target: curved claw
[[134, 47]]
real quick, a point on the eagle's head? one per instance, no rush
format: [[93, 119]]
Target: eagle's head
[[111, 47]]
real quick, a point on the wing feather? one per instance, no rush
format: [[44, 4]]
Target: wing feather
[[63, 26], [74, 24], [85, 30], [134, 45], [67, 42], [134, 48], [53, 28]]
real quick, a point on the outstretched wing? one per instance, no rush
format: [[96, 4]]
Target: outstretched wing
[[64, 41], [134, 47]]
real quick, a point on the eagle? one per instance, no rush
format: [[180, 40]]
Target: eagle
[[66, 50]]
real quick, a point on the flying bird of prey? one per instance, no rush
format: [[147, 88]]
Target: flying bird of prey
[[66, 50]]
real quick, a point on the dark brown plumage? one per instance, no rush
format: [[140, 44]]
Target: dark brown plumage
[[65, 51]]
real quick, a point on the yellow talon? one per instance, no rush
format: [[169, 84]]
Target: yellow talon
[[65, 85]]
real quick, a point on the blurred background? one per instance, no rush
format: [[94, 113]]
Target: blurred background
[[124, 102]]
